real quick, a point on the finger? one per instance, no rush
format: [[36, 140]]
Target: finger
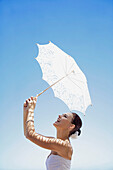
[[31, 101], [25, 104], [32, 97], [27, 101]]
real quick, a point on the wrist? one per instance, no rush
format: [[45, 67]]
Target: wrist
[[30, 115], [30, 120]]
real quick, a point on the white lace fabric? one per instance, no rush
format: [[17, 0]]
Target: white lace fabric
[[55, 64]]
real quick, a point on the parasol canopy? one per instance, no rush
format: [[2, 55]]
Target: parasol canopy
[[64, 76]]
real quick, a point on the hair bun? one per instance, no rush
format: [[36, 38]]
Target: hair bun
[[79, 132], [75, 135]]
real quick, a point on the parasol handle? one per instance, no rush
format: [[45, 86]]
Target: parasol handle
[[54, 84]]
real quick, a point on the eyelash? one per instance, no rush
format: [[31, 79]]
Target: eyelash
[[65, 116]]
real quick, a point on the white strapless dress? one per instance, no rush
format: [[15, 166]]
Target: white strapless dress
[[56, 162]]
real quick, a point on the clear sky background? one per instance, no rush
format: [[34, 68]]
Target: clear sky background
[[83, 29]]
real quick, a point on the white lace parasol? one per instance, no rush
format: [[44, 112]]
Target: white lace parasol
[[64, 76]]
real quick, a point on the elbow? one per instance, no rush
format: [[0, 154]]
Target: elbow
[[25, 134], [29, 134]]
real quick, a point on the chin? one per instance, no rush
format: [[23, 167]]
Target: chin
[[55, 124]]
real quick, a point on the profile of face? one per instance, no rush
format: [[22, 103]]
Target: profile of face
[[64, 121]]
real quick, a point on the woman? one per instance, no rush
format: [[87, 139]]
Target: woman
[[61, 149]]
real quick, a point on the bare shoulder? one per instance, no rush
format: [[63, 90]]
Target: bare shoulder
[[62, 147], [67, 150]]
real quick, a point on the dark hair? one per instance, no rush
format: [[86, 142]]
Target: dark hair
[[76, 120]]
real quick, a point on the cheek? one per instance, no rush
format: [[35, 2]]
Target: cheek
[[65, 123]]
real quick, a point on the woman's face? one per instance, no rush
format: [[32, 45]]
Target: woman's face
[[64, 121]]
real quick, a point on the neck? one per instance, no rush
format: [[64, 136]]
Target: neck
[[62, 134]]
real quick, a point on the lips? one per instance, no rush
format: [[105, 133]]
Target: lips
[[58, 120]]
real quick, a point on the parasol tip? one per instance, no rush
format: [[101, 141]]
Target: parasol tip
[[49, 41]]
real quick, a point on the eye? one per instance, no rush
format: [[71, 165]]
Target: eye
[[65, 116]]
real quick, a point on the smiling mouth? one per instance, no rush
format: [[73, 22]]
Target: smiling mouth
[[58, 120]]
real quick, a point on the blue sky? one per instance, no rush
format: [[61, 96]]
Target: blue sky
[[83, 29]]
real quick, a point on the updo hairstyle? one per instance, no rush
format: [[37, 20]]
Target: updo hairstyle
[[76, 120]]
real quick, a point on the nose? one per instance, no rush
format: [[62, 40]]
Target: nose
[[59, 116]]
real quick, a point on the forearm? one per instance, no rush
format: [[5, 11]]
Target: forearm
[[30, 123], [34, 137]]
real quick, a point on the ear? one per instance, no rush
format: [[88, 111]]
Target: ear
[[72, 126]]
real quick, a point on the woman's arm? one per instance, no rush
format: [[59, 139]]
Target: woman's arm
[[58, 145], [27, 108]]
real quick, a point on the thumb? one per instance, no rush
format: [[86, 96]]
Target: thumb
[[35, 98]]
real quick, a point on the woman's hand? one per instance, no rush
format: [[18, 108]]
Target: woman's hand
[[30, 104]]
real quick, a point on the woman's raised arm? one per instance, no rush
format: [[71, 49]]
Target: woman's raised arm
[[60, 146]]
